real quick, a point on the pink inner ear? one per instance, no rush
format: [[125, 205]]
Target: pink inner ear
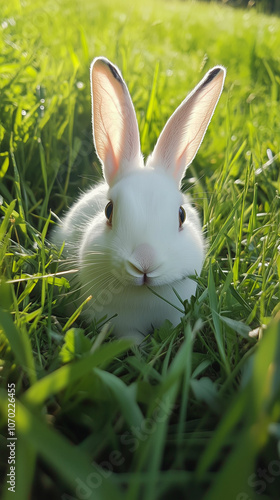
[[114, 121], [111, 163], [185, 129], [180, 166], [108, 123]]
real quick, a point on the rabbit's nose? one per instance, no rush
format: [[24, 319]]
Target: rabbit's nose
[[142, 260]]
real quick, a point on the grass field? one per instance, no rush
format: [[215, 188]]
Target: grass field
[[195, 413]]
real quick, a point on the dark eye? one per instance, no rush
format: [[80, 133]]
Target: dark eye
[[109, 211], [182, 216]]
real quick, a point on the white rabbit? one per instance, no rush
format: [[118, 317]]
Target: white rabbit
[[136, 231]]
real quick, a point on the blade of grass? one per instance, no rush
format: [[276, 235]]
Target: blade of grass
[[218, 331], [254, 405], [6, 220], [223, 230], [68, 462], [20, 344], [17, 184], [76, 314], [68, 374], [189, 338], [124, 395], [240, 219]]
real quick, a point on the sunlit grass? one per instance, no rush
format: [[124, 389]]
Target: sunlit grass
[[195, 413]]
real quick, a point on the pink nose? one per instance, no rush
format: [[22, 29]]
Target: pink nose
[[143, 258]]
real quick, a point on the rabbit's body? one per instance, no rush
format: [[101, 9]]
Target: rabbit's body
[[130, 234]]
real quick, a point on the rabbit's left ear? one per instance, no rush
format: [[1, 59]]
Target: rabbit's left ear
[[183, 133], [115, 129]]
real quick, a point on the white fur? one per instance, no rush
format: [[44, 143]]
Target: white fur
[[144, 245]]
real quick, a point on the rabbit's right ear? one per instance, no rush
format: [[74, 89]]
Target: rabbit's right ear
[[182, 135], [115, 129]]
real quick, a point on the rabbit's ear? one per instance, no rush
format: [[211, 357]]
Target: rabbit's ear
[[182, 135], [115, 129]]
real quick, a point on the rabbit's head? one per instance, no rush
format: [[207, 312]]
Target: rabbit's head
[[154, 231]]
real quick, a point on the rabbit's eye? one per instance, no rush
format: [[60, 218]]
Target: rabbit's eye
[[109, 211], [182, 216]]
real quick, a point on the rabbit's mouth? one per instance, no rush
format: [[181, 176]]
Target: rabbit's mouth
[[143, 280], [146, 281]]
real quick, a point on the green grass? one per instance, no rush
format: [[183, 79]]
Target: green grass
[[196, 412]]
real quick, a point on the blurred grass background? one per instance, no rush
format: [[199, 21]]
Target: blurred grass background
[[196, 411]]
